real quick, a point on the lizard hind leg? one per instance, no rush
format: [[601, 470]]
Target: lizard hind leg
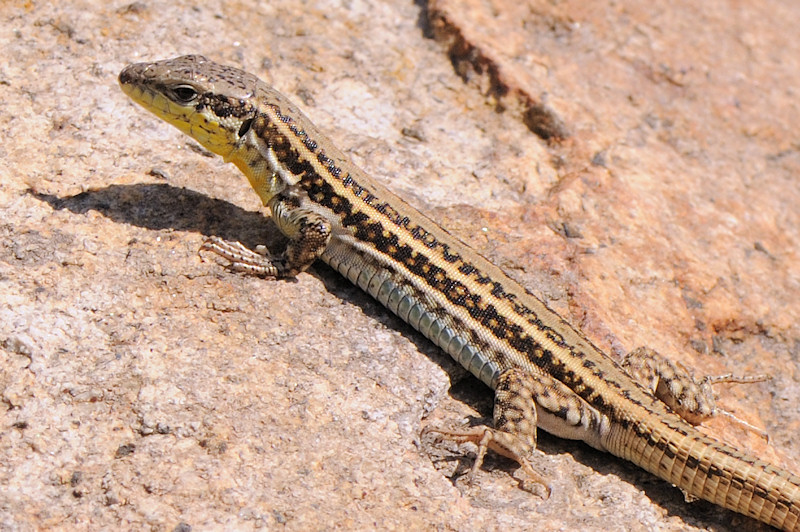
[[514, 431], [674, 385]]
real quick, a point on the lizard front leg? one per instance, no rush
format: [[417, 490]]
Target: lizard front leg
[[308, 231]]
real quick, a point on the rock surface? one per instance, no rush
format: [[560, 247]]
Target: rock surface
[[635, 165]]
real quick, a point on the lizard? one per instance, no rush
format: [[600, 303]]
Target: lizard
[[544, 372]]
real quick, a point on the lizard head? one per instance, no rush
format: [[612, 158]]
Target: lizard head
[[211, 103]]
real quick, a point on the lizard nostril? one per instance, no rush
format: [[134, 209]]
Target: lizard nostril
[[125, 75]]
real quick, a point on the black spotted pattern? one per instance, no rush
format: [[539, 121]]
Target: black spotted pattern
[[223, 106], [385, 240]]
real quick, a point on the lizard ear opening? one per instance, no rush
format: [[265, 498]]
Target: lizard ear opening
[[245, 127]]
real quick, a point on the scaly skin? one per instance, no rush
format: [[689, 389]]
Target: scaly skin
[[544, 371]]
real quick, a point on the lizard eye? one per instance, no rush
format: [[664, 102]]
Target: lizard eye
[[184, 93]]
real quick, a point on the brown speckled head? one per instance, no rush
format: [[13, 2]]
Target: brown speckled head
[[206, 100]]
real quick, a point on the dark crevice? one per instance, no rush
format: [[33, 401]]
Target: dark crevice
[[470, 62]]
